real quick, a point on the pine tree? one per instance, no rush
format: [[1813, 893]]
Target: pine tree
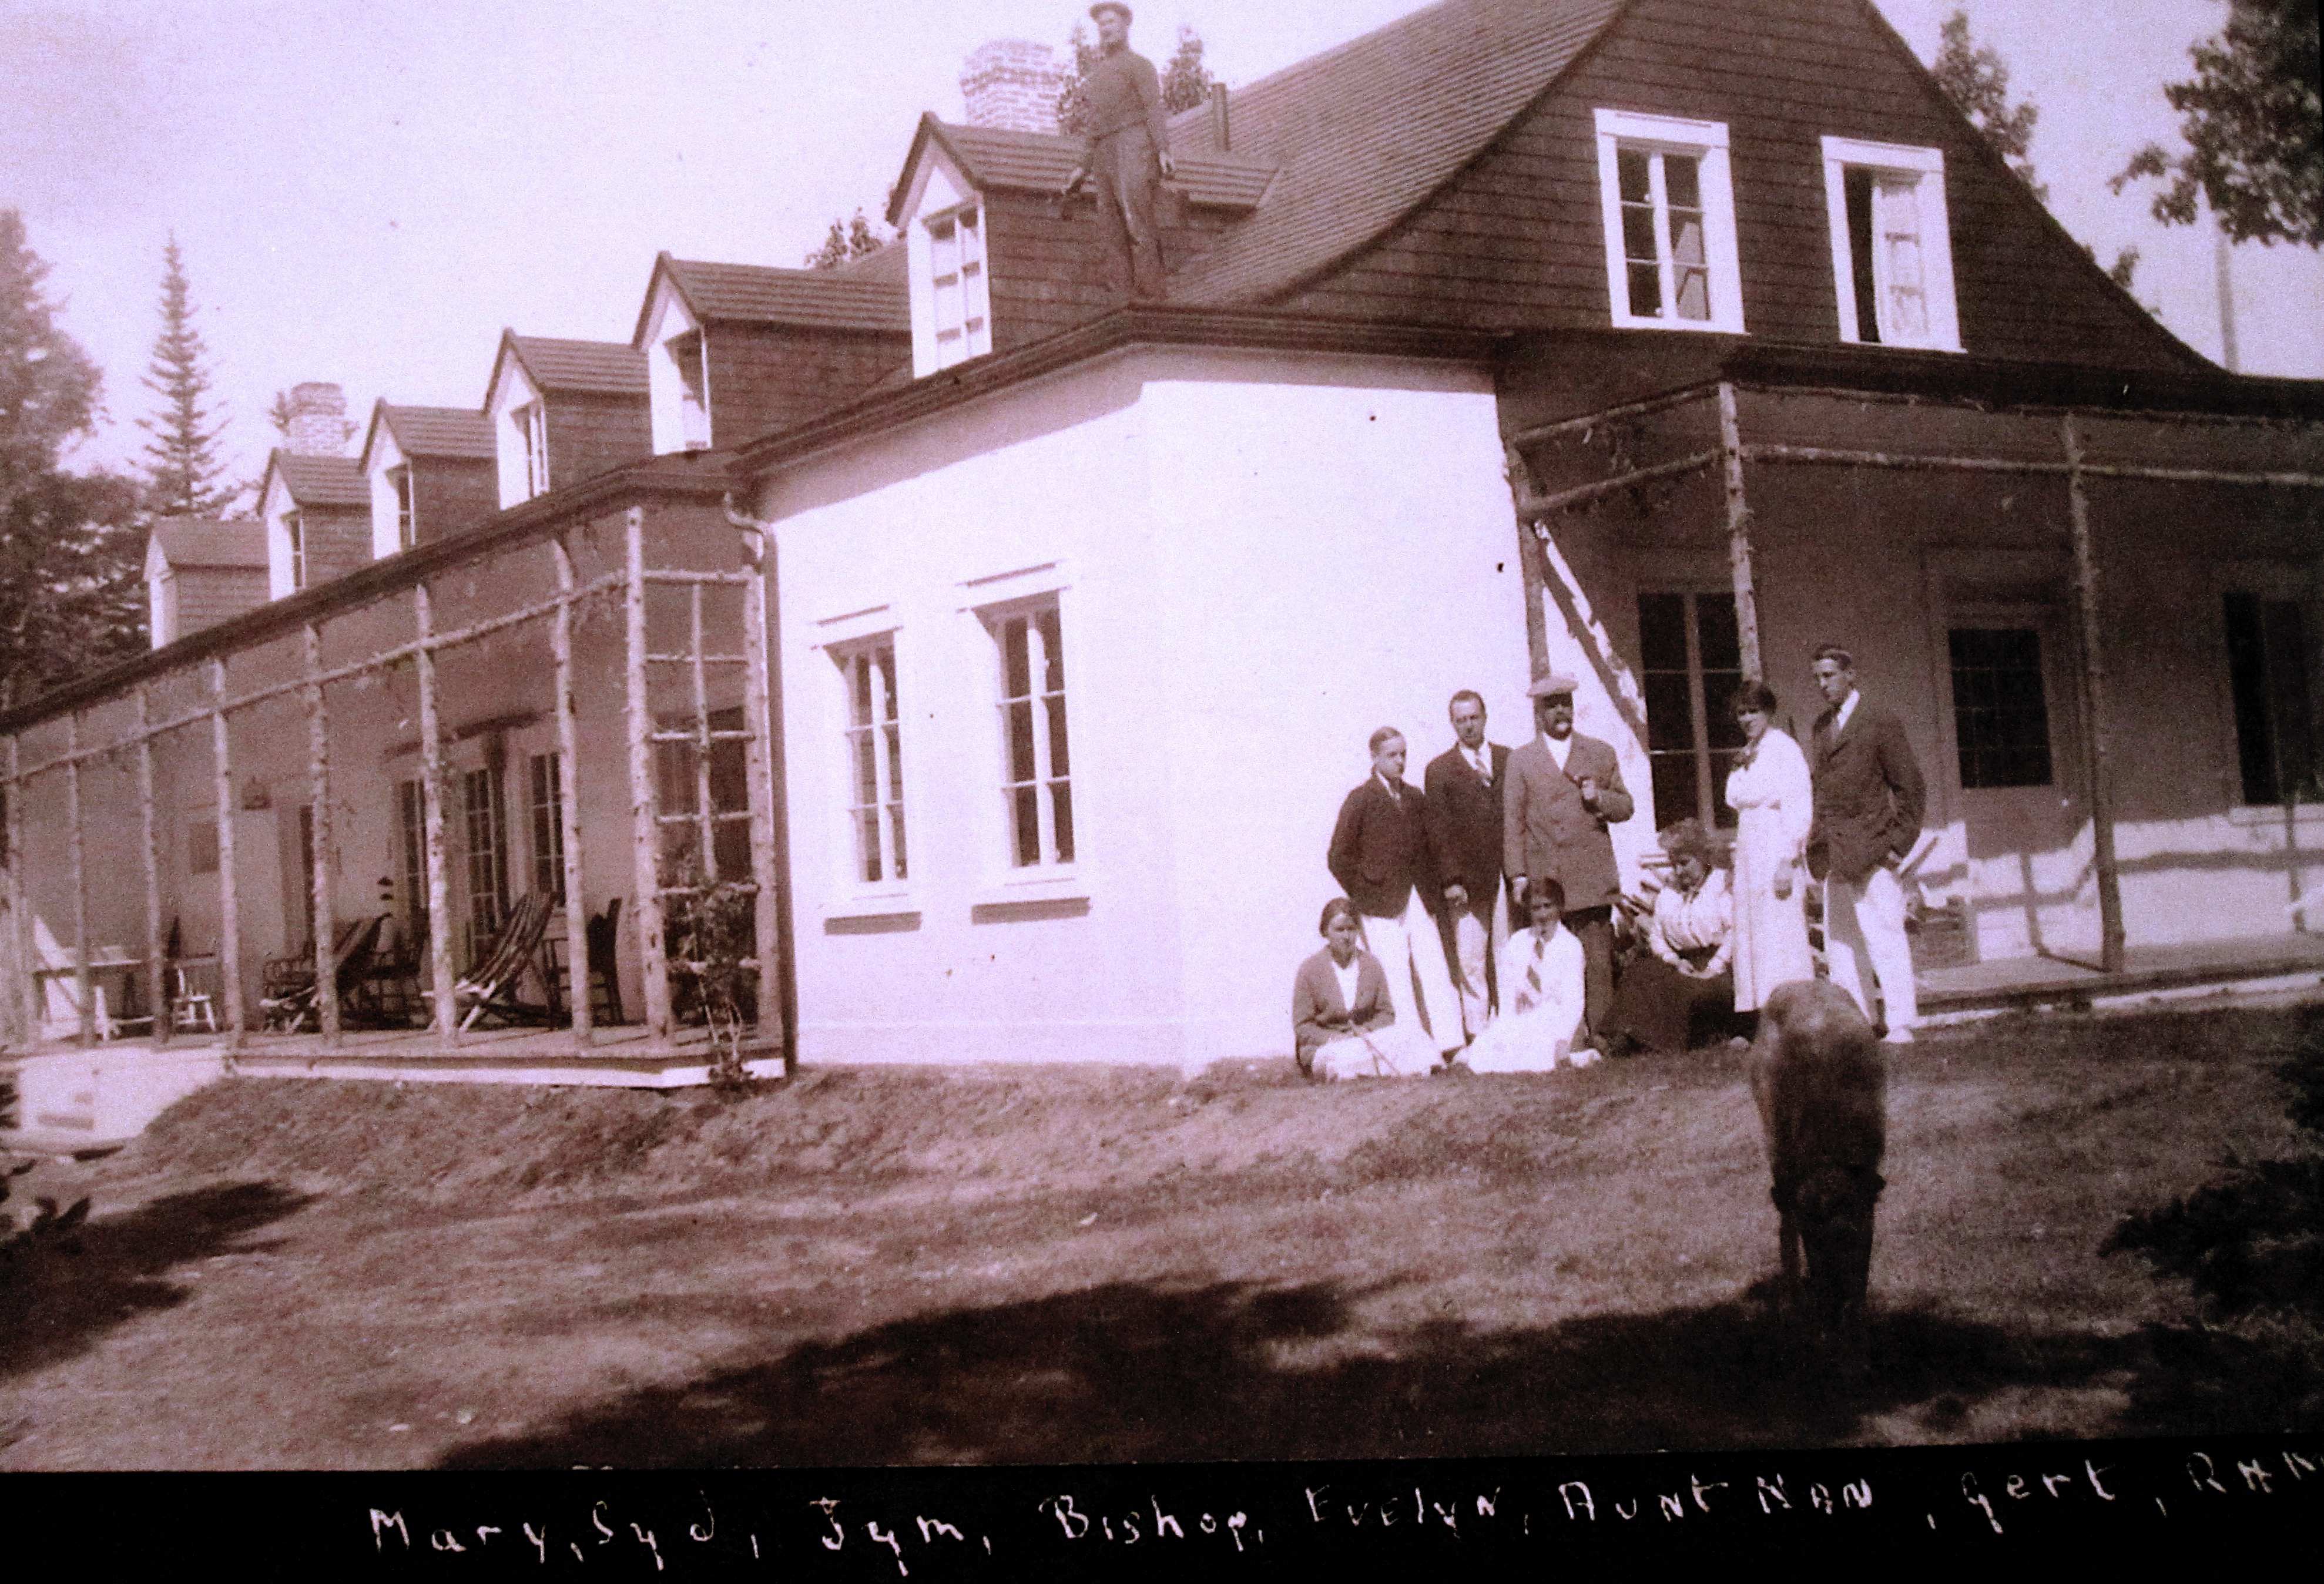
[[183, 470], [72, 557], [847, 239], [1976, 81], [1186, 80]]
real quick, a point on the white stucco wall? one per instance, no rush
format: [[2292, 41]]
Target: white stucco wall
[[1258, 560]]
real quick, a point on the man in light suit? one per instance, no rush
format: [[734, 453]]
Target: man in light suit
[[1381, 856], [1562, 791], [1464, 788], [1869, 801]]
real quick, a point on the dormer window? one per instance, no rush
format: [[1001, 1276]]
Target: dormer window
[[961, 294], [529, 426], [1668, 204], [399, 486], [1891, 244], [294, 534], [685, 355]]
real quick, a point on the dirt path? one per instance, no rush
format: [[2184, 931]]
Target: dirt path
[[881, 1268]]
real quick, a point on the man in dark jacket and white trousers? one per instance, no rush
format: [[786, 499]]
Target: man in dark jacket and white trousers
[[1381, 856], [1563, 790], [1463, 786], [1869, 801]]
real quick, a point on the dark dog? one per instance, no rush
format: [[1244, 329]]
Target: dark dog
[[1817, 1075]]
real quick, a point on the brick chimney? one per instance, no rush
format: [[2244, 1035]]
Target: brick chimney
[[1013, 83], [318, 419]]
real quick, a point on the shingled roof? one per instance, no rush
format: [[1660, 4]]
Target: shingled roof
[[1003, 157], [815, 299], [606, 367], [1362, 134], [320, 481], [203, 541], [437, 431]]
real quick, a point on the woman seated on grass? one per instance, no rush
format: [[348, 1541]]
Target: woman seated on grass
[[1690, 941], [1340, 1011], [1540, 970]]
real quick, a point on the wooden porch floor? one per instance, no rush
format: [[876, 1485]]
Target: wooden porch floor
[[2016, 983]]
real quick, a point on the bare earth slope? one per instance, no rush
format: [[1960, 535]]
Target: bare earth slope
[[879, 1266]]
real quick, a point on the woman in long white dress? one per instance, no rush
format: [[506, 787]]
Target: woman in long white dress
[[1540, 979], [1774, 799]]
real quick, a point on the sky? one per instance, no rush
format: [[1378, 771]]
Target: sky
[[367, 195]]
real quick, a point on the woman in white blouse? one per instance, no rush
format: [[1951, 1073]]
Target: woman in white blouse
[[1774, 801], [1689, 938]]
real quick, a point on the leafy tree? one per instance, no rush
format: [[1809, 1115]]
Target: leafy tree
[[2254, 130], [1186, 80], [183, 469], [848, 239], [1976, 81], [72, 560]]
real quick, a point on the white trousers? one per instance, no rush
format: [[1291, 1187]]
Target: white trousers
[[1864, 941], [1409, 948], [1475, 948], [1394, 1052]]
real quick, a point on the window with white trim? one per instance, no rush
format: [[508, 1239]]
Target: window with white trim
[[874, 745], [687, 356], [295, 533], [548, 807], [1036, 766], [530, 423], [411, 853], [1691, 664], [1667, 197], [487, 853], [1891, 244], [2268, 668], [961, 293], [399, 483]]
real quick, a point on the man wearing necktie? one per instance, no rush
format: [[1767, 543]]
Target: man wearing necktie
[[1462, 789], [1381, 856], [1564, 789]]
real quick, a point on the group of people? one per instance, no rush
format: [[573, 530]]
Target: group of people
[[1421, 969]]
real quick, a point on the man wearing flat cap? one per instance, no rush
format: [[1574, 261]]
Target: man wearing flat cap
[[1129, 153], [1563, 790]]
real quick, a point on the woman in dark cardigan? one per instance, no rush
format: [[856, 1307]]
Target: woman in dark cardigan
[[1340, 1011]]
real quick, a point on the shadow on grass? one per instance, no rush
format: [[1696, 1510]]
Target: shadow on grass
[[1124, 1372], [53, 1303]]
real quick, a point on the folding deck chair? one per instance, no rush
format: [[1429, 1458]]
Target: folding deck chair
[[350, 956], [490, 985]]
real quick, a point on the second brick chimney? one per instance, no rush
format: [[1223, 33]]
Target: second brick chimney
[[318, 419], [1013, 83]]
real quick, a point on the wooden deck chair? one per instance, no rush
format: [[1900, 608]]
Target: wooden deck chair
[[350, 955], [490, 986]]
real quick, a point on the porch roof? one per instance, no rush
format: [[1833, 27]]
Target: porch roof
[[684, 478]]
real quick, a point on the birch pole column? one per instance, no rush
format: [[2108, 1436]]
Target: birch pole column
[[1738, 533], [645, 827], [2112, 946], [432, 823], [229, 898], [325, 855], [569, 803], [760, 766], [83, 983], [157, 964], [20, 923]]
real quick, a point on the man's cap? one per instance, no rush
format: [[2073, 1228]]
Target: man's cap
[[1102, 7], [1551, 685]]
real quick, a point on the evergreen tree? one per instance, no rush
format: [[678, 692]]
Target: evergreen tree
[[2254, 122], [72, 557], [1976, 81], [1186, 80], [183, 468], [848, 239]]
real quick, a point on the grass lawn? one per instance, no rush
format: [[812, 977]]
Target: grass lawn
[[903, 1266]]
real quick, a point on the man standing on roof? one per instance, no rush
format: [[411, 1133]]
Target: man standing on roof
[[1129, 153]]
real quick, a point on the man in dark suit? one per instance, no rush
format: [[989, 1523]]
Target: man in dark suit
[[1562, 791], [1463, 786], [1869, 801], [1381, 858]]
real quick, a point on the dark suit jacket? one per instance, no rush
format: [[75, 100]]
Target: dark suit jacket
[[1868, 793], [1317, 1016], [1464, 821], [1380, 851], [1547, 830]]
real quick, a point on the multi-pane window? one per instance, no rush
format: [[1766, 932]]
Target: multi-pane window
[[1693, 663], [412, 853], [961, 297], [2268, 662], [407, 532], [482, 801], [295, 533], [2001, 709], [303, 884], [679, 784], [1891, 248], [548, 805], [531, 422], [875, 759], [1669, 214], [687, 355], [1037, 787]]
